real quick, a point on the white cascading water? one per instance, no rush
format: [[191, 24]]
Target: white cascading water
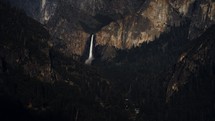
[[43, 3], [90, 58], [44, 11]]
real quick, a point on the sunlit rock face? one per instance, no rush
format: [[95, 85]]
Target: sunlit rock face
[[139, 25], [133, 30], [181, 6], [154, 19], [74, 21], [118, 23]]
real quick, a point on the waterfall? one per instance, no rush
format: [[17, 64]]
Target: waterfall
[[44, 13], [91, 47], [43, 4], [90, 58]]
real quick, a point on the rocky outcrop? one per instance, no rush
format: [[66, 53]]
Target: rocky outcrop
[[87, 17], [133, 86], [194, 63], [190, 92], [141, 25], [157, 17], [35, 78], [19, 35], [121, 24]]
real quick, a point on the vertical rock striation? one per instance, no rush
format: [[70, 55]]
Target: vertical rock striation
[[121, 24]]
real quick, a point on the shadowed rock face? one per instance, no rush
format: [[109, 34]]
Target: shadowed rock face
[[156, 18], [26, 33], [191, 82], [31, 69], [168, 79], [143, 26], [121, 23], [192, 64]]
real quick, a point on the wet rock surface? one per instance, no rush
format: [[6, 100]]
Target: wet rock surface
[[170, 78]]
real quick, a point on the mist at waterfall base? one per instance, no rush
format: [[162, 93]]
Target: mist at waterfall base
[[38, 86]]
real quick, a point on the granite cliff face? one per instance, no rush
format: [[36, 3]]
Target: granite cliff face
[[196, 61], [192, 80], [121, 24], [168, 79], [147, 24], [26, 33]]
